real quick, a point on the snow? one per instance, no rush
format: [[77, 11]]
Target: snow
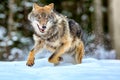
[[16, 54], [27, 4], [2, 32], [101, 53], [90, 69], [2, 16], [84, 17]]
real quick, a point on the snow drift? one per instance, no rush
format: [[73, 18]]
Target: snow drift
[[90, 69]]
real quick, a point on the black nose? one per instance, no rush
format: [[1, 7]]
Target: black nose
[[43, 27]]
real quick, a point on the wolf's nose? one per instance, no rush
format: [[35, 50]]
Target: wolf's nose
[[43, 27]]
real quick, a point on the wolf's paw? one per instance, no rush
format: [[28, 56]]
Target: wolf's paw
[[55, 60], [30, 62]]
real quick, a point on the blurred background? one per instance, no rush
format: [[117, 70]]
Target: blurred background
[[99, 20]]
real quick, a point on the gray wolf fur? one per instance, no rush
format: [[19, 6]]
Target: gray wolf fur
[[56, 33]]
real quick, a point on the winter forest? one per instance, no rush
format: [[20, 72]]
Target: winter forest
[[99, 20], [96, 17]]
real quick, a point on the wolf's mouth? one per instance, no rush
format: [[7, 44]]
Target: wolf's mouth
[[41, 30]]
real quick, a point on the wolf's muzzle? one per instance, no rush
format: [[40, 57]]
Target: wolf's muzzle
[[43, 27]]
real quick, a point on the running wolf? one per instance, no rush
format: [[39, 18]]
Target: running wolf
[[56, 33]]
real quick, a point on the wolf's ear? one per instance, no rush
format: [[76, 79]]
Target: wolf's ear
[[51, 6], [35, 6]]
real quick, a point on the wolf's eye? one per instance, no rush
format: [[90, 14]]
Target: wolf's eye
[[45, 17], [37, 16]]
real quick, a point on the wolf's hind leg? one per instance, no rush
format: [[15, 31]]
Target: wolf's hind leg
[[56, 56], [79, 53]]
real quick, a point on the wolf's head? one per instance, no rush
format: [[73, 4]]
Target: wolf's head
[[42, 18]]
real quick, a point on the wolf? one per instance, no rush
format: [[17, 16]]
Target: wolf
[[56, 33]]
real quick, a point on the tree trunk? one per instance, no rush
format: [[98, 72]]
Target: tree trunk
[[10, 25], [10, 18], [98, 24], [114, 24]]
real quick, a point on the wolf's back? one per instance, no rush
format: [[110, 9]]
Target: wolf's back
[[75, 28]]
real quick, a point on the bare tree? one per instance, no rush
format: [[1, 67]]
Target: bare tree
[[114, 24], [10, 17], [10, 24], [98, 24]]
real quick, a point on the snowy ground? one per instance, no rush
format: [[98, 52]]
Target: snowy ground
[[90, 69]]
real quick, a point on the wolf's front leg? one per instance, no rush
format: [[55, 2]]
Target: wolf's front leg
[[56, 56], [31, 56], [30, 60]]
